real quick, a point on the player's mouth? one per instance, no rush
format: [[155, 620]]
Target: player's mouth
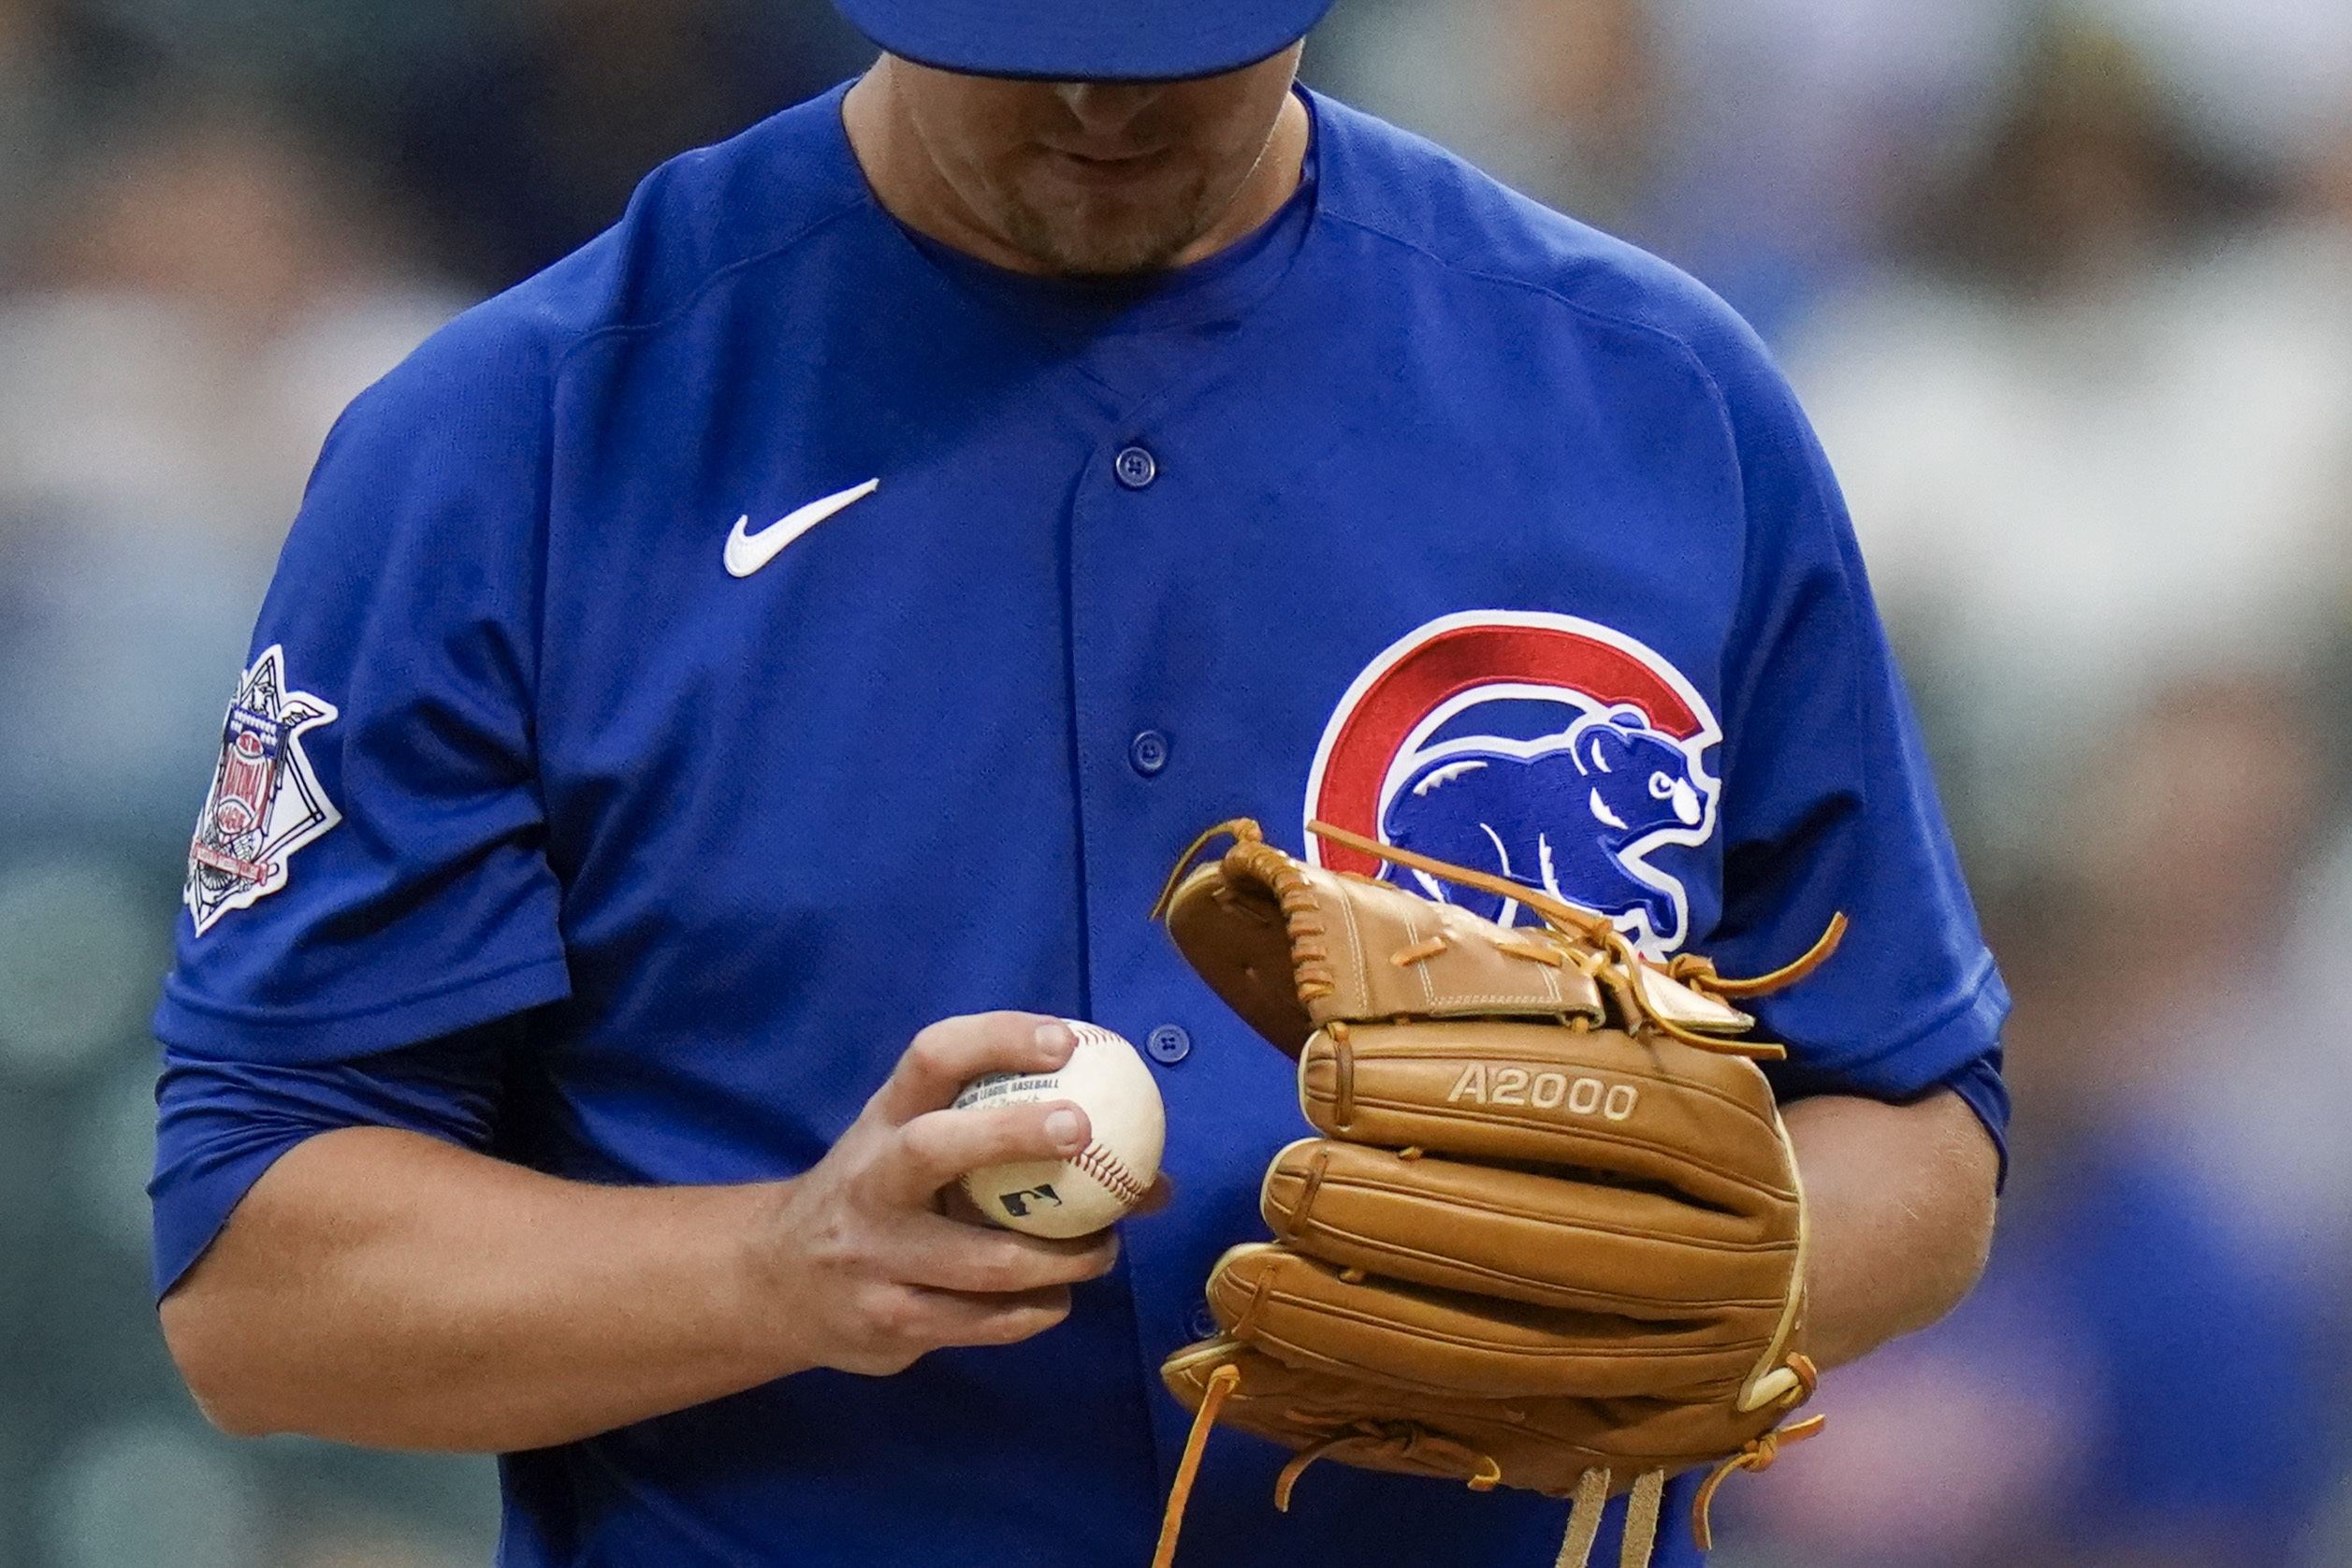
[[1080, 168]]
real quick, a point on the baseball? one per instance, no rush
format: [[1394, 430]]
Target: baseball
[[1080, 1195]]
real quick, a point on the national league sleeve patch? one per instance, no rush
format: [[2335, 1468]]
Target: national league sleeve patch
[[267, 802]]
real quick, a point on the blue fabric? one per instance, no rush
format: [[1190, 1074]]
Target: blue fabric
[[1981, 1087], [223, 1122], [721, 845], [1086, 40]]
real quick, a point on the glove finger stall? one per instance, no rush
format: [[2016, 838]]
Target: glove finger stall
[[1650, 1110], [1304, 1313], [1547, 1240]]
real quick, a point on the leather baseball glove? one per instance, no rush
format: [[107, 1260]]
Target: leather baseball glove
[[1552, 1235]]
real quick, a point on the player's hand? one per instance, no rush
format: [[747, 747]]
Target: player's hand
[[867, 1267]]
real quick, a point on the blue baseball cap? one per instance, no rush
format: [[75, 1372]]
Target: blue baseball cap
[[1086, 40]]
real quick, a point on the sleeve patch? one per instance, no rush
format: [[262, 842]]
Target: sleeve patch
[[266, 803]]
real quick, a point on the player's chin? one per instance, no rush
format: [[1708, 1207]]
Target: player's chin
[[1109, 234]]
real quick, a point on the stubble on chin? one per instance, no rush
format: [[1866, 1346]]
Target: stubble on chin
[[1105, 237]]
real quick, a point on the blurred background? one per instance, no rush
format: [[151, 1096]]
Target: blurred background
[[2066, 288]]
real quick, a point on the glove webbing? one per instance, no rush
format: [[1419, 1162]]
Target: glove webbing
[[1642, 1509], [1625, 971], [1612, 958]]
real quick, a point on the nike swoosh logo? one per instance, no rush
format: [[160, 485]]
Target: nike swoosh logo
[[746, 552]]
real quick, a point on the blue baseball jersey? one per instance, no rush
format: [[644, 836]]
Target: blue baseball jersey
[[768, 632]]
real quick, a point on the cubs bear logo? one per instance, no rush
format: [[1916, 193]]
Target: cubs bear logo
[[1553, 751]]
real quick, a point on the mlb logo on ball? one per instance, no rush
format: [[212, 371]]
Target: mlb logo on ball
[[1553, 751], [1019, 1205]]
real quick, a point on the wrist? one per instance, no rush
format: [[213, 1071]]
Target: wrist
[[766, 1295]]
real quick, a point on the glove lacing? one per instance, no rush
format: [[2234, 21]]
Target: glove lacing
[[1754, 1457], [1617, 963], [1399, 1439], [1625, 971], [1403, 1439], [1221, 1385]]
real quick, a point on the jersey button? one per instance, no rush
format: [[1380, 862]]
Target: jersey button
[[1149, 754], [1168, 1044], [1136, 467], [1203, 1323]]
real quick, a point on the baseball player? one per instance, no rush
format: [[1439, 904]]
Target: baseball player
[[815, 617]]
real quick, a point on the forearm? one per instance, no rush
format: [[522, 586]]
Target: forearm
[[1899, 1203], [383, 1289]]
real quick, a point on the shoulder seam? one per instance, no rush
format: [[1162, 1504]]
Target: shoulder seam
[[702, 290], [1680, 345]]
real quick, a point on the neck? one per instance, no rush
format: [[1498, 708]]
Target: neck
[[910, 185]]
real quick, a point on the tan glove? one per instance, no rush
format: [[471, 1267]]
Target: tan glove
[[1552, 1236]]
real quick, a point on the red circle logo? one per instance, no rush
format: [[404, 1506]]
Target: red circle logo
[[1578, 810]]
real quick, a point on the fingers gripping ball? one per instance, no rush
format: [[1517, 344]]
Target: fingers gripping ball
[[1093, 1188]]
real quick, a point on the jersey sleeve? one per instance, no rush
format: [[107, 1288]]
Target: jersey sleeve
[[1830, 803], [221, 1123], [370, 869]]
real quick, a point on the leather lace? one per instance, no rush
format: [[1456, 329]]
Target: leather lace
[[1755, 1455], [1402, 1439], [1622, 974], [1398, 1440], [1642, 1510], [1221, 1385], [1409, 1440]]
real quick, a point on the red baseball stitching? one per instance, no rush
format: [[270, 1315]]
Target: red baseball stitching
[[1116, 1178]]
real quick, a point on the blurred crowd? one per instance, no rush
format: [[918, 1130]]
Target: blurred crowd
[[2068, 289]]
